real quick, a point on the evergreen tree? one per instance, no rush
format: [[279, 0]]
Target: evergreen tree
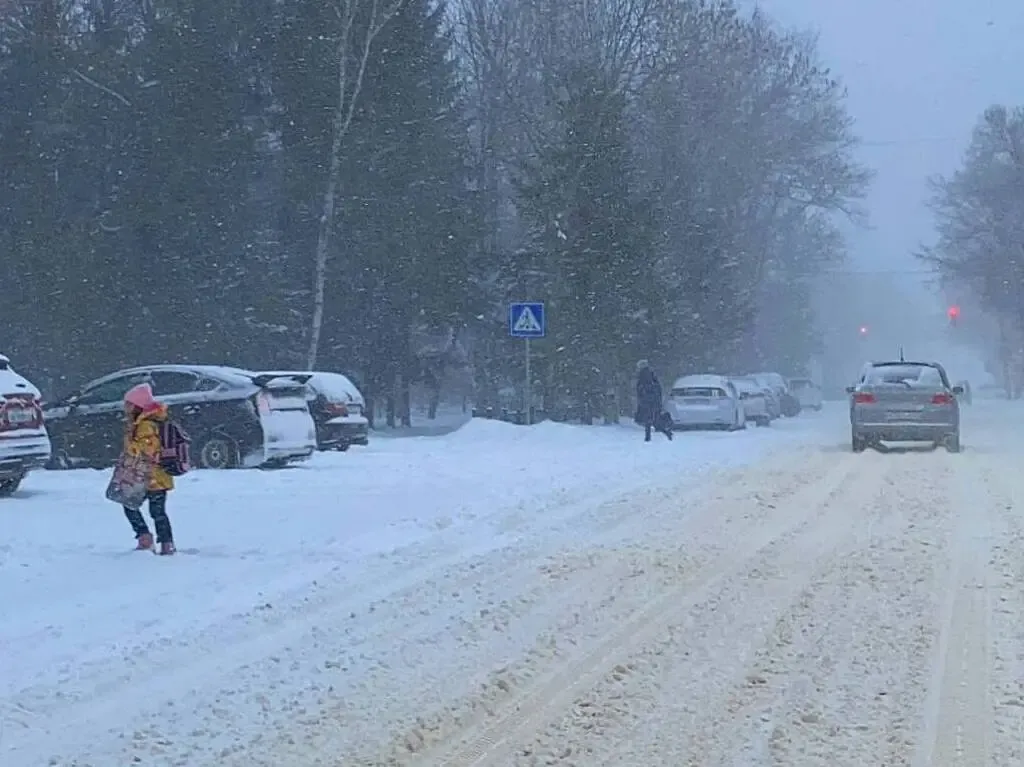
[[594, 240], [407, 214], [186, 193], [43, 239]]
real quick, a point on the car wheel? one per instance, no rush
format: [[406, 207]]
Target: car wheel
[[217, 452], [858, 444], [9, 485], [343, 447], [953, 443]]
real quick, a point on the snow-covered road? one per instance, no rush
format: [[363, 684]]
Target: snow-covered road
[[548, 596]]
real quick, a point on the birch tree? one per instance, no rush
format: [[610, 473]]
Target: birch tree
[[361, 22]]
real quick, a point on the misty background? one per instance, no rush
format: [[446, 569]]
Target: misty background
[[364, 185], [919, 75]]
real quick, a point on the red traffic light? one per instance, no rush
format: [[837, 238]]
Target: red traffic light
[[954, 312], [863, 330]]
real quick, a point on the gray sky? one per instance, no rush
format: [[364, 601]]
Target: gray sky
[[919, 74]]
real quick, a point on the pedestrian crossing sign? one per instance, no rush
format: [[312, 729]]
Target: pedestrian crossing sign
[[526, 320]]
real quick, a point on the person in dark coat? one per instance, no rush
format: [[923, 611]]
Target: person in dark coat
[[650, 401]]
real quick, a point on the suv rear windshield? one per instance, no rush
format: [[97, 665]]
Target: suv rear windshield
[[915, 375], [699, 391]]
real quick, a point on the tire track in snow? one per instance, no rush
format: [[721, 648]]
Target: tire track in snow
[[494, 741], [840, 677], [1007, 602], [234, 648], [637, 541], [958, 725], [242, 641]]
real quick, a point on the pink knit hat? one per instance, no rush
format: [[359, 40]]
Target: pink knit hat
[[141, 396]]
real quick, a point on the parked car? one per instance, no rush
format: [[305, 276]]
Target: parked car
[[773, 394], [24, 443], [904, 402], [754, 398], [236, 418], [337, 407], [807, 392], [789, 405], [706, 401]]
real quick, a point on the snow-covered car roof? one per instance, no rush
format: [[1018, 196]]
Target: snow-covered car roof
[[702, 379], [13, 383], [747, 384], [224, 373], [334, 386]]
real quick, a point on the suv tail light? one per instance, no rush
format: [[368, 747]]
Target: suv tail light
[[943, 398], [863, 398], [336, 409], [263, 403]]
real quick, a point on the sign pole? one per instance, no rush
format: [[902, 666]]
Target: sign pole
[[527, 320], [529, 386]]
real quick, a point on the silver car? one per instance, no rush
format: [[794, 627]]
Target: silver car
[[754, 398], [904, 402]]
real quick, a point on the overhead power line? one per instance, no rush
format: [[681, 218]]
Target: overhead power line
[[915, 141], [875, 272]]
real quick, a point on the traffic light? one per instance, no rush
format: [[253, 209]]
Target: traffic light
[[863, 330], [953, 313]]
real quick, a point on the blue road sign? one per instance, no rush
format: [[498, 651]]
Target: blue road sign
[[526, 320]]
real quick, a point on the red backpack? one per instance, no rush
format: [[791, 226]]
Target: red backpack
[[174, 449]]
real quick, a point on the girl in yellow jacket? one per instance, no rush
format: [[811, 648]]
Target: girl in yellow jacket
[[142, 438]]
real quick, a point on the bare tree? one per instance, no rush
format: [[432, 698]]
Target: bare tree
[[978, 213], [519, 52], [361, 22]]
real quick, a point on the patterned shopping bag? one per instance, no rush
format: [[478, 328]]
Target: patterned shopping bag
[[130, 481]]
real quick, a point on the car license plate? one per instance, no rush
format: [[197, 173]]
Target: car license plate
[[18, 415], [905, 415]]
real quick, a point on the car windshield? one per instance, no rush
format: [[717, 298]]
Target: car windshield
[[910, 375]]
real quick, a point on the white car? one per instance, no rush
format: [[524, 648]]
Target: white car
[[755, 400], [773, 395], [706, 401], [24, 442], [338, 409], [807, 392]]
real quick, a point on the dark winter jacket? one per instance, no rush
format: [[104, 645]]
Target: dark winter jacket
[[649, 397]]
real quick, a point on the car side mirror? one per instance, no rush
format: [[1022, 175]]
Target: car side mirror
[[851, 389], [958, 390]]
